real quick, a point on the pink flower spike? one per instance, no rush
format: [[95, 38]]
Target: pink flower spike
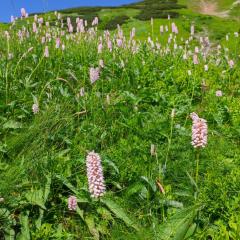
[[95, 175], [72, 203], [94, 74], [219, 93], [35, 108], [23, 12], [195, 59], [46, 52], [199, 131], [231, 63]]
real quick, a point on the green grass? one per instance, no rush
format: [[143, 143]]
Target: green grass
[[110, 13]]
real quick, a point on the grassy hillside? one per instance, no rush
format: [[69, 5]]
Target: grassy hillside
[[127, 134], [183, 11]]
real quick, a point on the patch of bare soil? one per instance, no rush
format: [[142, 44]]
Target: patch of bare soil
[[211, 8]]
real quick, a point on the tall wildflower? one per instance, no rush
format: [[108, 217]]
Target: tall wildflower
[[95, 175], [219, 93], [192, 30], [94, 74], [196, 50], [35, 108], [100, 47], [101, 63], [72, 203], [58, 42], [161, 29], [119, 42], [12, 19], [174, 28], [46, 52], [153, 150], [109, 45], [195, 59], [23, 12], [231, 63], [132, 33], [95, 21], [199, 131], [82, 92]]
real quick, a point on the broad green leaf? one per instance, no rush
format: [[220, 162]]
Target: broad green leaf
[[191, 230], [4, 215], [80, 199], [135, 188], [119, 212], [47, 188], [80, 212], [12, 125], [38, 222], [35, 197], [150, 182], [183, 229], [172, 203], [89, 220], [9, 234], [105, 214], [112, 165], [192, 181], [25, 231], [178, 225], [67, 184]]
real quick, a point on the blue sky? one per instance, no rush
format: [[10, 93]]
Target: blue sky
[[12, 7]]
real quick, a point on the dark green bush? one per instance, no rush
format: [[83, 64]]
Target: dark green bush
[[118, 20]]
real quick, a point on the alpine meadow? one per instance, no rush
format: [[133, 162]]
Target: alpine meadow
[[121, 123]]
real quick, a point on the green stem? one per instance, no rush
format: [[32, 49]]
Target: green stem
[[197, 166], [6, 83], [19, 61], [48, 83], [169, 142], [34, 70]]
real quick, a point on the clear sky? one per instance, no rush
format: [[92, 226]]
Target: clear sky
[[12, 7]]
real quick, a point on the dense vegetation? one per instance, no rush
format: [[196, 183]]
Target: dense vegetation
[[68, 88]]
